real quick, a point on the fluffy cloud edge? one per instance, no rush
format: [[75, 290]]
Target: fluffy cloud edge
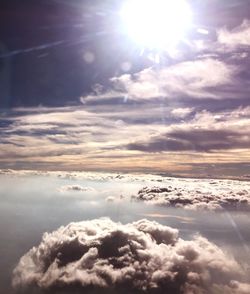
[[213, 195], [140, 256]]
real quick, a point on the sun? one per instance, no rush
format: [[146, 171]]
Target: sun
[[156, 24]]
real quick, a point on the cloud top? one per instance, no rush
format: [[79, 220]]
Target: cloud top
[[204, 195], [140, 257], [76, 188]]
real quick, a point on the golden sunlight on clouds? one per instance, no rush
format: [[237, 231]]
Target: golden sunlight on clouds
[[73, 138]]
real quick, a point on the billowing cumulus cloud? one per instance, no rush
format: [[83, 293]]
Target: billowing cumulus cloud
[[141, 257], [198, 194]]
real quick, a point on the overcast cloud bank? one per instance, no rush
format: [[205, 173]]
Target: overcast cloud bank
[[141, 257]]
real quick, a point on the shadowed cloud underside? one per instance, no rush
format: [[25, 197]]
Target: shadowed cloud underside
[[141, 257]]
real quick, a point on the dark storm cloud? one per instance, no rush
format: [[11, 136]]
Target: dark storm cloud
[[141, 257]]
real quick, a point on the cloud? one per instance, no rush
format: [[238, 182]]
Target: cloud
[[196, 140], [196, 79], [125, 137], [141, 256], [211, 69], [182, 112], [204, 133], [86, 176], [6, 172], [198, 194], [238, 37], [236, 287], [76, 188], [110, 199], [203, 77]]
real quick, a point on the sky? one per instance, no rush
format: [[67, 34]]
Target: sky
[[77, 93]]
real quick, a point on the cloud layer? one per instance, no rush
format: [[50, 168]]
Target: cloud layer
[[150, 138], [203, 133], [202, 194], [141, 257]]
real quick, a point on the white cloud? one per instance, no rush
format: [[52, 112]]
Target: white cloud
[[110, 199], [198, 194], [143, 255], [190, 78], [181, 112], [76, 188], [239, 36]]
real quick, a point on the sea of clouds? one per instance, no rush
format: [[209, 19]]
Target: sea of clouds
[[188, 193]]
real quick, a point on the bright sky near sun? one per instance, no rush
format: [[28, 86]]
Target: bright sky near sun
[[130, 85], [156, 24]]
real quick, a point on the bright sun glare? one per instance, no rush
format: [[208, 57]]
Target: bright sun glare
[[156, 24]]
